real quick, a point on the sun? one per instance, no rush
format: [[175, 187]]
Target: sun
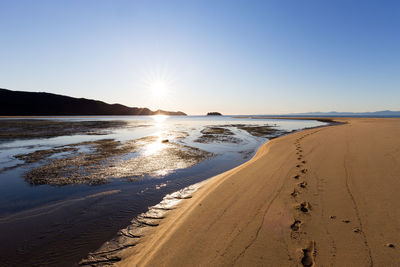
[[159, 83], [159, 88]]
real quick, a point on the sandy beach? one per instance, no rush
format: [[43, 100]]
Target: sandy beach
[[326, 196]]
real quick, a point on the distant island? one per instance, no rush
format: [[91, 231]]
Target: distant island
[[214, 114], [19, 103]]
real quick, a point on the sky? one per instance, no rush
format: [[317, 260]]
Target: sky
[[235, 57]]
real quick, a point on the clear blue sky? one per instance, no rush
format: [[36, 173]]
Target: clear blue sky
[[236, 57]]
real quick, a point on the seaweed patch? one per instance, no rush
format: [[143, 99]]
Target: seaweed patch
[[109, 158]]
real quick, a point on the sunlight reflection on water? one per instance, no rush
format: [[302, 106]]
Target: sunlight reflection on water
[[154, 147], [159, 119], [158, 144]]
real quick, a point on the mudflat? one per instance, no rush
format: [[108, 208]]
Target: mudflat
[[326, 196]]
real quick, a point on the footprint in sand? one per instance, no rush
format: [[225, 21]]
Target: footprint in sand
[[296, 176], [303, 170], [303, 161], [294, 193], [305, 207], [346, 221], [308, 255], [298, 165], [390, 245], [295, 226], [303, 184]]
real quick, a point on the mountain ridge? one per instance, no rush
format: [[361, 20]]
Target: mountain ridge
[[22, 103]]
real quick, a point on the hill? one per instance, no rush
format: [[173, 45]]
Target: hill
[[19, 103]]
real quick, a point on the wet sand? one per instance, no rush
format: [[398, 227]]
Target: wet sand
[[325, 196]]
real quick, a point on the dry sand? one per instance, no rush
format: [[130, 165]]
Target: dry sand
[[327, 196]]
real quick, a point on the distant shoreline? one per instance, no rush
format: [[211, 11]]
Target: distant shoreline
[[302, 117]]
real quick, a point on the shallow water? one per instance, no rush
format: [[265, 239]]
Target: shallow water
[[59, 225]]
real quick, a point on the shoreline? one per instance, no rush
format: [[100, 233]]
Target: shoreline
[[133, 234], [174, 235], [121, 207]]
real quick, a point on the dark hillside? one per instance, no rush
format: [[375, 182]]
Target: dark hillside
[[19, 103]]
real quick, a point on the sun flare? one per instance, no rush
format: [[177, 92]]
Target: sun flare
[[159, 88], [159, 83]]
